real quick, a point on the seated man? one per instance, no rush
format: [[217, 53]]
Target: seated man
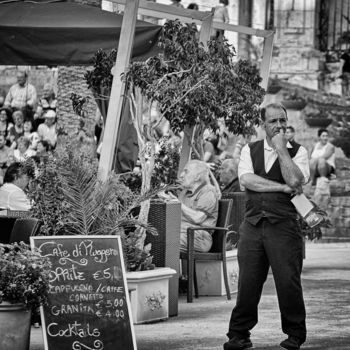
[[228, 176], [199, 204], [22, 94], [322, 162]]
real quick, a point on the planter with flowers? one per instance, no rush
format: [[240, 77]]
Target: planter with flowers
[[24, 284], [293, 100], [316, 117]]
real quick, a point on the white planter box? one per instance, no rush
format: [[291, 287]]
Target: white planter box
[[210, 276], [149, 294]]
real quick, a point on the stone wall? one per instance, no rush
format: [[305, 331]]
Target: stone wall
[[295, 57]]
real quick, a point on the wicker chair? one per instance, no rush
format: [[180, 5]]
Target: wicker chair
[[23, 229], [217, 251]]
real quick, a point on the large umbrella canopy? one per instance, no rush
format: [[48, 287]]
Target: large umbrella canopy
[[64, 33]]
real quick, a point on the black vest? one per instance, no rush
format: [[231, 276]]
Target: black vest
[[275, 206]]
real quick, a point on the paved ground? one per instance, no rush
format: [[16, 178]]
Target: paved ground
[[202, 324]]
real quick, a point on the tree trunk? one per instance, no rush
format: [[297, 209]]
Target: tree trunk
[[146, 143]]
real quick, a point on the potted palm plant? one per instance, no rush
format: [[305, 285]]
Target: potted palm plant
[[24, 285], [69, 199]]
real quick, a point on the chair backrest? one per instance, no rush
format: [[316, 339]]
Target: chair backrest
[[224, 213], [23, 229], [238, 208], [6, 226]]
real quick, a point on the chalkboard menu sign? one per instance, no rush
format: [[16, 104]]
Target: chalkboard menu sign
[[89, 306]]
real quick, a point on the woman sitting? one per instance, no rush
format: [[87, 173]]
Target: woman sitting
[[23, 151], [12, 195]]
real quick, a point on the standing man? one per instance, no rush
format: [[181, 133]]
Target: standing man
[[22, 94], [271, 170]]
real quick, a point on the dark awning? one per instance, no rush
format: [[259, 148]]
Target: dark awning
[[64, 33]]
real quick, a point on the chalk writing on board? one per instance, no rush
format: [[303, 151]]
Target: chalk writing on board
[[87, 296]]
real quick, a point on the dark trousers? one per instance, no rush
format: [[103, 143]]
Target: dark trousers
[[280, 246]]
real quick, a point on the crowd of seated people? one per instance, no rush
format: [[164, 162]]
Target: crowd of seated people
[[27, 122]]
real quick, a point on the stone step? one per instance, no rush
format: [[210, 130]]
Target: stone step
[[340, 201], [339, 187], [342, 163], [342, 173], [340, 232], [341, 222]]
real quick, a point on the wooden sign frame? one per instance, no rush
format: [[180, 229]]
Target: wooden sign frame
[[38, 239]]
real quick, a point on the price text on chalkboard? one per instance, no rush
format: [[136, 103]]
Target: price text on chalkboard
[[88, 306]]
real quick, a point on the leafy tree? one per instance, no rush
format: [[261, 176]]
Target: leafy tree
[[195, 87], [191, 86]]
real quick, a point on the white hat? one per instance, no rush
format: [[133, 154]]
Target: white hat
[[50, 114]]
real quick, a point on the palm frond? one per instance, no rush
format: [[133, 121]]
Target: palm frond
[[78, 187]]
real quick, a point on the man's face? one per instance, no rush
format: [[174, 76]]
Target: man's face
[[27, 126], [49, 121], [227, 174], [289, 134], [2, 141], [324, 137], [188, 176], [18, 119], [47, 91], [22, 181], [22, 146], [21, 79], [3, 116], [275, 120]]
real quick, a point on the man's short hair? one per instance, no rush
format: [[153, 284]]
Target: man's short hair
[[320, 131], [291, 128], [202, 169], [13, 172], [274, 106], [229, 163]]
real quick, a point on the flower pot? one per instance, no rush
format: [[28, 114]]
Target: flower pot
[[14, 326], [149, 295], [333, 67], [210, 277], [294, 104], [318, 122], [273, 89]]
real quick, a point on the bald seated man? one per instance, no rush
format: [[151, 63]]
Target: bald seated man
[[199, 204]]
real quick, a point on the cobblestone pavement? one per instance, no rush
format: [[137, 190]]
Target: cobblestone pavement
[[202, 324]]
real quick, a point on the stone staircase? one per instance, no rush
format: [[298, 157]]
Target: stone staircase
[[339, 206]]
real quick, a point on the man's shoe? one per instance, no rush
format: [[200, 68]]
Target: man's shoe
[[292, 343], [236, 343]]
